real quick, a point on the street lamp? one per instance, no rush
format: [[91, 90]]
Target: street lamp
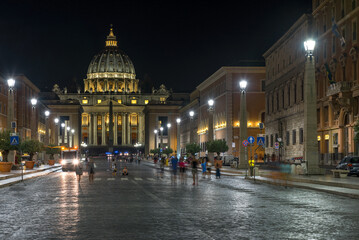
[[56, 120], [34, 117], [68, 136], [11, 124], [73, 137], [191, 114], [155, 132], [63, 133], [168, 135], [161, 137], [243, 125], [310, 112], [33, 102], [210, 126], [178, 120], [47, 114]]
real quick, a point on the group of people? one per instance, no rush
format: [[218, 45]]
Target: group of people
[[114, 169], [90, 167]]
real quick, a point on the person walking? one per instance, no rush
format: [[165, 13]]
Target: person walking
[[91, 169], [204, 167], [174, 162], [194, 165], [79, 171], [114, 167], [182, 166], [218, 165]]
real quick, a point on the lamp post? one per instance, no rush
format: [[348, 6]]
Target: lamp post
[[243, 126], [56, 120], [161, 136], [178, 120], [73, 137], [68, 136], [33, 116], [168, 135], [210, 126], [191, 114], [47, 114], [310, 112], [155, 132], [63, 134], [11, 125]]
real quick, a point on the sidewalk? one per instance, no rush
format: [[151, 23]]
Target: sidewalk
[[14, 176], [348, 186]]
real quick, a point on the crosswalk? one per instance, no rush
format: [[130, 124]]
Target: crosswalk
[[127, 178]]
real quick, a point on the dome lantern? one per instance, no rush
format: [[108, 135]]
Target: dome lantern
[[111, 39]]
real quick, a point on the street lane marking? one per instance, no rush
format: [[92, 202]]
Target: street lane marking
[[151, 179], [138, 179], [110, 179], [97, 179], [124, 179]]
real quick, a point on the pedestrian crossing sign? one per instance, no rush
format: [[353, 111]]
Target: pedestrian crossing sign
[[260, 141], [14, 140]]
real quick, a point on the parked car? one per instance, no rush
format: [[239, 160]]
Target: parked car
[[350, 163]]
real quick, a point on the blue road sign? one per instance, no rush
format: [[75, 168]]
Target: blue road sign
[[251, 139], [260, 141], [276, 145], [14, 140]]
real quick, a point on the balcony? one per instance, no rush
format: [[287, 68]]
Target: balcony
[[338, 87]]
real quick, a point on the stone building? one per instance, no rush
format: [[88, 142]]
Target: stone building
[[223, 87]]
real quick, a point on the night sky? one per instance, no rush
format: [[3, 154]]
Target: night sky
[[176, 43]]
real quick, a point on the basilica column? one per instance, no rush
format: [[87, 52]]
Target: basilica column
[[129, 128], [89, 127], [103, 129], [123, 128], [95, 129], [115, 130], [141, 127]]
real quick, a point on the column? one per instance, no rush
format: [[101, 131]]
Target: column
[[115, 130], [103, 129], [242, 131], [90, 116], [141, 127], [128, 128], [95, 129], [123, 115]]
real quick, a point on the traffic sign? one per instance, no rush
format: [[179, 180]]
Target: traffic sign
[[260, 141], [276, 145], [245, 143], [251, 163], [251, 139], [14, 140]]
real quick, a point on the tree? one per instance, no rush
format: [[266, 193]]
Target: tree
[[155, 151], [31, 147], [5, 146], [52, 150], [193, 148], [167, 151], [217, 146]]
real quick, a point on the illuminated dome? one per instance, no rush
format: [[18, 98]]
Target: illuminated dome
[[111, 70]]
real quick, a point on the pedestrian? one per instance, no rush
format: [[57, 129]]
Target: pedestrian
[[265, 158], [174, 162], [182, 166], [79, 171], [125, 171], [209, 167], [114, 167], [162, 165], [204, 167], [91, 169], [218, 165], [194, 165]]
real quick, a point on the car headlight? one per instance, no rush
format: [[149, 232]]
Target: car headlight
[[62, 162], [75, 161]]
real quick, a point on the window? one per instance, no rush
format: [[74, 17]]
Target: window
[[133, 101], [287, 138], [119, 101], [302, 90], [263, 85], [342, 12], [99, 100], [84, 121], [288, 95], [318, 116], [301, 136], [85, 101], [326, 114], [272, 103], [146, 101], [354, 31], [267, 141], [271, 140], [354, 4], [324, 23], [295, 93], [277, 101], [355, 71], [283, 98], [294, 137], [162, 99]]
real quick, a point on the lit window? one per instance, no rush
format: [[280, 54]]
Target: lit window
[[85, 101], [162, 99], [133, 101], [119, 101], [99, 100], [146, 101]]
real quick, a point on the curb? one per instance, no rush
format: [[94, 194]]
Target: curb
[[50, 170], [26, 173]]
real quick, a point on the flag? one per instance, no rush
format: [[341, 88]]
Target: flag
[[336, 32], [328, 73]]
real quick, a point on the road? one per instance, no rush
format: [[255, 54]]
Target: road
[[143, 206]]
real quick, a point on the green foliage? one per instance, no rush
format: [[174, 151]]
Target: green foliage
[[193, 148], [31, 147], [356, 130], [167, 151], [155, 151], [5, 146], [52, 150], [217, 146]]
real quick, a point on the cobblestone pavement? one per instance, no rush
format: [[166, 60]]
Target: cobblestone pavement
[[143, 206]]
